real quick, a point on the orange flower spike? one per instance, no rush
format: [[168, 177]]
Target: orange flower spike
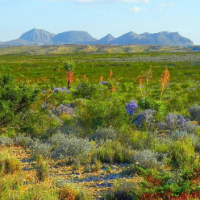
[[110, 74], [45, 79], [70, 76], [140, 80], [164, 80], [112, 89], [101, 78]]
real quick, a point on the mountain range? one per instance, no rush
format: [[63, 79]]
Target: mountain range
[[42, 37]]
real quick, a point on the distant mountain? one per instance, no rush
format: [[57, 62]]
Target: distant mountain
[[18, 42], [73, 37], [128, 38], [162, 38], [105, 40], [42, 37], [37, 36]]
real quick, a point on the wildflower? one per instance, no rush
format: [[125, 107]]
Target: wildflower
[[164, 80], [131, 107], [140, 82], [104, 82], [101, 79], [69, 78], [110, 74], [112, 89]]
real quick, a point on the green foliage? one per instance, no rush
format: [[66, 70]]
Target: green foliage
[[159, 106], [69, 66], [15, 101], [86, 90], [99, 113]]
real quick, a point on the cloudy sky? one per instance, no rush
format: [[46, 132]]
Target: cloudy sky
[[100, 17]]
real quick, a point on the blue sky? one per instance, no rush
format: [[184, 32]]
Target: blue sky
[[100, 17]]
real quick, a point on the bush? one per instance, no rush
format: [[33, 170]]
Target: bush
[[71, 147], [23, 141], [39, 149], [6, 141], [195, 112], [102, 113], [147, 159], [122, 190], [86, 90], [145, 118], [103, 134], [15, 101]]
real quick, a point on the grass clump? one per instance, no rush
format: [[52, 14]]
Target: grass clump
[[8, 164], [42, 171]]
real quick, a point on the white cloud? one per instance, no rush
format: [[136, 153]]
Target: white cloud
[[105, 1], [136, 1], [163, 5], [137, 9]]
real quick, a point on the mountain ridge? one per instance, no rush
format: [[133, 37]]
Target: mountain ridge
[[42, 37]]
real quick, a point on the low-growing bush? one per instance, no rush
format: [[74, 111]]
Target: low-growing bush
[[147, 159], [40, 149], [195, 112], [73, 192], [71, 147], [121, 191], [103, 134], [23, 141], [6, 141]]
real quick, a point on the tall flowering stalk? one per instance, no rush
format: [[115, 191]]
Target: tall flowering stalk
[[146, 78], [112, 89], [69, 66], [140, 83], [110, 74], [101, 78], [164, 80]]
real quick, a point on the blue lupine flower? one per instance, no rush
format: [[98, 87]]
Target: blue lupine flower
[[131, 107], [104, 82]]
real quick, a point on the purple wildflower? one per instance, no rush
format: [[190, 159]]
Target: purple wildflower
[[131, 107]]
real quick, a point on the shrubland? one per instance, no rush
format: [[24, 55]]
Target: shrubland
[[143, 115]]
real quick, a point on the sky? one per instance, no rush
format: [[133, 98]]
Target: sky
[[100, 17]]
